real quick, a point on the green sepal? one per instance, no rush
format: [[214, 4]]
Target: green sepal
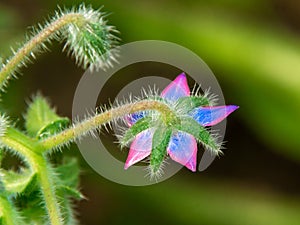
[[41, 119], [160, 141], [141, 125], [191, 126], [189, 103], [96, 36], [16, 183]]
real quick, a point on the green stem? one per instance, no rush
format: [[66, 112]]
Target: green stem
[[34, 43], [17, 141], [45, 177], [105, 117], [7, 211], [24, 146]]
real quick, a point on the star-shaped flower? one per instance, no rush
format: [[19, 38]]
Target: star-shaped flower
[[178, 138]]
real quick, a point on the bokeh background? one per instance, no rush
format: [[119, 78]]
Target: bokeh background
[[252, 46]]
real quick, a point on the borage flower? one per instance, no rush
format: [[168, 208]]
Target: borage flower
[[175, 135]]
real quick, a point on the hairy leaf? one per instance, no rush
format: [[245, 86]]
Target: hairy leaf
[[41, 119], [16, 183], [67, 186]]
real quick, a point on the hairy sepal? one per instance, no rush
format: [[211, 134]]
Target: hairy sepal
[[135, 129], [92, 41], [187, 104], [190, 126], [160, 141]]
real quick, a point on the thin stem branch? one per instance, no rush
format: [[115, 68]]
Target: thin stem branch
[[34, 43], [96, 121]]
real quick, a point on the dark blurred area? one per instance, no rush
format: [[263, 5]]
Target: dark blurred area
[[252, 46]]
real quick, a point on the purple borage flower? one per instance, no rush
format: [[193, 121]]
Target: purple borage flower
[[175, 135]]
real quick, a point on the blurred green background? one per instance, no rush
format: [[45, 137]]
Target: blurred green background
[[252, 46]]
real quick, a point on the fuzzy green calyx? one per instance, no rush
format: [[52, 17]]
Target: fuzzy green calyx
[[90, 40], [160, 141]]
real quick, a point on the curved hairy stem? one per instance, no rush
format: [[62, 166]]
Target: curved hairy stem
[[33, 44], [105, 117]]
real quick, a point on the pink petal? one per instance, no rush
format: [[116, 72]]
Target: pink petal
[[176, 89], [209, 116], [183, 149], [140, 148], [191, 164]]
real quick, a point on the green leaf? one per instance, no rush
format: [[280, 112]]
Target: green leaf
[[1, 155], [2, 188], [72, 192], [67, 184], [9, 213], [16, 183], [68, 173], [30, 207], [41, 119], [68, 178]]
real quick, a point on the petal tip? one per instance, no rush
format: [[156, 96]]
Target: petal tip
[[231, 108], [191, 167], [235, 106], [177, 88], [181, 81], [182, 76]]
